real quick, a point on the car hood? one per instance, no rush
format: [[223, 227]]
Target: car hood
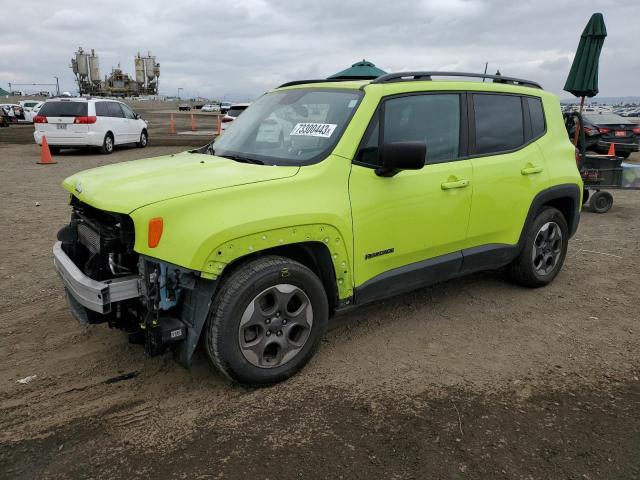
[[125, 187]]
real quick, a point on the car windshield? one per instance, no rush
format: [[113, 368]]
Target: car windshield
[[290, 127], [64, 109], [605, 118]]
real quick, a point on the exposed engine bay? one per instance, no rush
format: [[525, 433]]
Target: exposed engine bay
[[158, 310]]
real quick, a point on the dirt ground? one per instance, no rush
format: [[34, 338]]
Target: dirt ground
[[474, 378]]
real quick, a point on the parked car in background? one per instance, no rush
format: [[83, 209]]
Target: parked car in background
[[81, 122], [13, 111], [184, 107], [30, 108], [234, 111], [603, 129], [211, 107], [225, 106]]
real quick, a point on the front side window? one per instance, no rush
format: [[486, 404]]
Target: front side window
[[433, 119], [128, 113], [289, 127], [499, 123]]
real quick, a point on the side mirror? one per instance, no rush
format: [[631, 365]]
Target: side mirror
[[137, 115], [398, 156]]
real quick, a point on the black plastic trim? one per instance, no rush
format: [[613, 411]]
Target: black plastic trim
[[435, 270], [569, 191]]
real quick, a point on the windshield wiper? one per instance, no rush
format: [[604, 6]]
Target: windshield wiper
[[239, 158]]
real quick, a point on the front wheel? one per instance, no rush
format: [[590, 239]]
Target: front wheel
[[544, 251], [266, 321]]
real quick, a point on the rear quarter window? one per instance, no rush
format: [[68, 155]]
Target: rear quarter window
[[64, 109], [536, 113]]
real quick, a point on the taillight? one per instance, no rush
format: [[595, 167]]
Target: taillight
[[604, 130], [155, 231], [84, 120], [636, 130], [227, 119], [40, 119]]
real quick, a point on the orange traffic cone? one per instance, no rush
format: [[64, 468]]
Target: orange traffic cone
[[193, 123], [612, 150], [219, 126], [45, 154], [172, 125]]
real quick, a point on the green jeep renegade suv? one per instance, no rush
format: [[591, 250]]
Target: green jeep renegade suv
[[320, 197]]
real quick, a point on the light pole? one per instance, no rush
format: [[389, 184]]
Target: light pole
[[57, 86], [179, 92]]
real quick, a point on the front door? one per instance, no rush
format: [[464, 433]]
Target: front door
[[413, 224]]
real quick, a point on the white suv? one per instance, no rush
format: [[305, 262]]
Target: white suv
[[93, 122]]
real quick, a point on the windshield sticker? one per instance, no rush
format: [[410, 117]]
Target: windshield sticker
[[352, 103], [323, 130]]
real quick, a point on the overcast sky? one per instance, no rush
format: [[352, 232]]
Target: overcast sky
[[237, 49]]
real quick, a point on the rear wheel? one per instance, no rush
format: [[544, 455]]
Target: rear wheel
[[107, 144], [266, 321], [54, 150], [144, 138], [601, 202], [544, 251]]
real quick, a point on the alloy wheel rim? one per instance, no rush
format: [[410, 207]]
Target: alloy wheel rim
[[109, 143], [275, 326], [143, 140], [547, 248]]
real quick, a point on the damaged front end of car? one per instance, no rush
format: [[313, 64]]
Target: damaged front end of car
[[156, 303]]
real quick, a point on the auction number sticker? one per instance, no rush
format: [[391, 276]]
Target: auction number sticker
[[323, 130]]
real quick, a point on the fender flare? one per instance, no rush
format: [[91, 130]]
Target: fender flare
[[232, 250], [569, 191]]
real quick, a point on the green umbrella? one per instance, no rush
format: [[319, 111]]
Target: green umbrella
[[359, 70], [583, 77]]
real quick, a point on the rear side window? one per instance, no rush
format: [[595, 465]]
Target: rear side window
[[114, 110], [536, 114], [499, 123], [64, 109], [101, 109]]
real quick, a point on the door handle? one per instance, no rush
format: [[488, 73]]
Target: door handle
[[531, 170], [456, 184]]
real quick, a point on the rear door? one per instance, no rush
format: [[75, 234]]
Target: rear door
[[508, 166]]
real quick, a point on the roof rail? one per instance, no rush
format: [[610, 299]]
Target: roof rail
[[412, 76], [323, 80]]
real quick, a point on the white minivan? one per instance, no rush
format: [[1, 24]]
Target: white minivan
[[92, 122]]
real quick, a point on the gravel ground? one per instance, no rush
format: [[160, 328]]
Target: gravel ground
[[474, 378]]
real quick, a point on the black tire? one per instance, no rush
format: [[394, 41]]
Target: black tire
[[107, 144], [624, 155], [535, 271], [601, 202], [144, 139], [585, 196], [240, 293], [54, 150]]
